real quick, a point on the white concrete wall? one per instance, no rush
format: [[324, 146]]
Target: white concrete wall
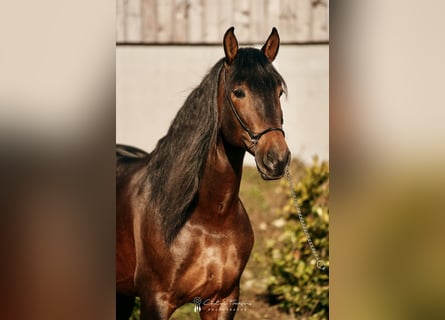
[[153, 82]]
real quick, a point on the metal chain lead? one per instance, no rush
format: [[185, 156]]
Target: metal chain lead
[[320, 264]]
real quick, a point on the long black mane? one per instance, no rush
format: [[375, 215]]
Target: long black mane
[[176, 164]]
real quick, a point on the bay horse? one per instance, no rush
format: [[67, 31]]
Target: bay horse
[[183, 234]]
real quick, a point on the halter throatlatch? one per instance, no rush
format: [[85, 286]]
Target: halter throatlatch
[[254, 138]]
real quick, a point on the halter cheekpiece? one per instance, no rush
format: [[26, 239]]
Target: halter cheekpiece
[[254, 138]]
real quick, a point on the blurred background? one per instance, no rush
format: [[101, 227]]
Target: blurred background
[[386, 162]]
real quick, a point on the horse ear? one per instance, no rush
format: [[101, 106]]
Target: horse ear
[[270, 48], [230, 45]]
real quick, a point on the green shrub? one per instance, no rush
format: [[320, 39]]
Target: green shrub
[[296, 284]]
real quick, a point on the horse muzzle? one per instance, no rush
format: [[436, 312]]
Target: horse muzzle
[[272, 158]]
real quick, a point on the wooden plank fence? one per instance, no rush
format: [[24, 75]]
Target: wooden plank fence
[[205, 21]]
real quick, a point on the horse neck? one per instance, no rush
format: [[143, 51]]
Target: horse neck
[[220, 184], [221, 179]]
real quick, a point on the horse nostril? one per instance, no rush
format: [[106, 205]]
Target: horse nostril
[[271, 157], [288, 155], [276, 162]]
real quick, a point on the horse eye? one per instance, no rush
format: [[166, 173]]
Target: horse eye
[[239, 93]]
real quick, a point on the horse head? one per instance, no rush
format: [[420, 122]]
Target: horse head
[[251, 117]]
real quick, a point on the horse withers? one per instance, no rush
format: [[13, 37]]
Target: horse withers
[[183, 234]]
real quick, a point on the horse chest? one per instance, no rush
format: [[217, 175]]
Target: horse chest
[[210, 264]]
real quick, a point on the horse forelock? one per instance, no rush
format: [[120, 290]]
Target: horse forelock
[[252, 67]]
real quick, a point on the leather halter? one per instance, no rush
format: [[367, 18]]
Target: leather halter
[[254, 138]]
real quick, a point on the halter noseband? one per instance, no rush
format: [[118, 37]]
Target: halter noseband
[[254, 138]]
